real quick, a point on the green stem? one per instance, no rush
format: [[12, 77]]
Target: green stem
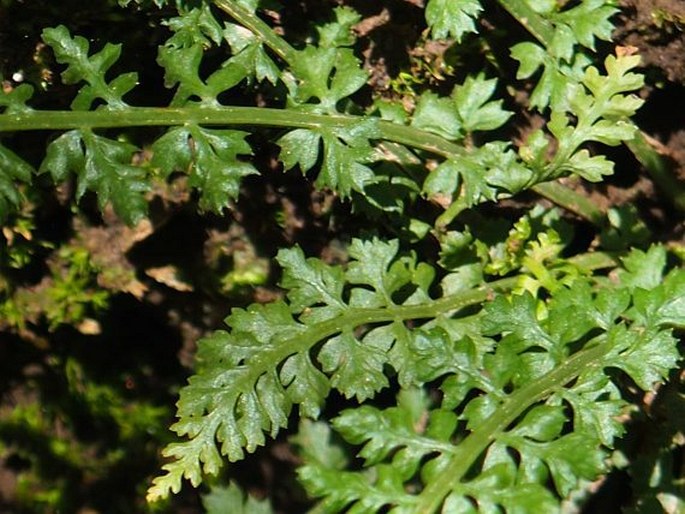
[[543, 31], [592, 261], [662, 175], [539, 27], [519, 9], [553, 191], [243, 116], [259, 116], [571, 201], [355, 317], [358, 317], [392, 132], [251, 21], [660, 170], [447, 217], [476, 442]]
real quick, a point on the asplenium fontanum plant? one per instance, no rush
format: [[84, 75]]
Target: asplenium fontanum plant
[[509, 353]]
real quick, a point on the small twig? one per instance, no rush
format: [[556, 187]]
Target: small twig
[[571, 201], [659, 168], [252, 22]]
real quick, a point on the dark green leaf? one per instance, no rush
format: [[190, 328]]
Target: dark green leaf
[[217, 171], [597, 405], [649, 358], [299, 147], [210, 156], [542, 423], [249, 53], [13, 169], [327, 74], [14, 99], [196, 26], [64, 155], [102, 165], [182, 67], [516, 316], [471, 102], [570, 458], [442, 182], [345, 155], [310, 281], [452, 17], [339, 32], [373, 267], [671, 310], [356, 367], [522, 499], [589, 20], [644, 269], [436, 114], [572, 313], [91, 69], [221, 500], [305, 384]]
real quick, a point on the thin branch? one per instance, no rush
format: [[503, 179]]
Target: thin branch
[[242, 116], [251, 21]]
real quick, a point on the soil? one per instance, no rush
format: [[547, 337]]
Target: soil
[[657, 29]]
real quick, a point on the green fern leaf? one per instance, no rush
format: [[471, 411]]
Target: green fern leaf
[[467, 110], [13, 169], [14, 100], [101, 165], [346, 155], [588, 21], [326, 74], [534, 363], [247, 381], [210, 156], [452, 17], [222, 500], [338, 33], [249, 54], [91, 69]]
